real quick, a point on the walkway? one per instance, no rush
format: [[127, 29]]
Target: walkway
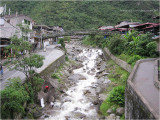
[[51, 54], [144, 83]]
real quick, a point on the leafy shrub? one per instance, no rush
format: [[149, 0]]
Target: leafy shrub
[[116, 44], [67, 38], [151, 48], [116, 96], [61, 41], [133, 59]]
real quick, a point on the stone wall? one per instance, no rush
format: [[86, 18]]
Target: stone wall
[[121, 63]]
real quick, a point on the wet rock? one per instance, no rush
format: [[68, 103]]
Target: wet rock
[[94, 100], [66, 73], [46, 116], [102, 74], [120, 111], [93, 70], [86, 92], [102, 97], [102, 118], [109, 111], [103, 66], [111, 117], [79, 115], [117, 117], [98, 89], [67, 117], [76, 77], [51, 99], [70, 70]]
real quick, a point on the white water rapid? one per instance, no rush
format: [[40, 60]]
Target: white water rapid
[[76, 105]]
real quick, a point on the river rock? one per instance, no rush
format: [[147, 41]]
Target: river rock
[[98, 89], [109, 111], [66, 73], [93, 70], [76, 77], [94, 100], [51, 99], [78, 115], [117, 117], [102, 97], [67, 117], [111, 117], [86, 92], [120, 111]]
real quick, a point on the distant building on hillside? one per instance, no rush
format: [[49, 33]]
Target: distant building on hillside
[[105, 27], [126, 24]]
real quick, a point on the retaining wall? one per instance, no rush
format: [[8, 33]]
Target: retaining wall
[[121, 63]]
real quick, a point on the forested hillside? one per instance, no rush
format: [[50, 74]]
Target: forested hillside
[[85, 14]]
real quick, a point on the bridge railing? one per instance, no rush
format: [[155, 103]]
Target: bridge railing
[[79, 32]]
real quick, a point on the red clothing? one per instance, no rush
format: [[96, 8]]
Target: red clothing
[[46, 87]]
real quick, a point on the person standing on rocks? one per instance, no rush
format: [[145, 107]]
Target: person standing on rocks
[[46, 88]]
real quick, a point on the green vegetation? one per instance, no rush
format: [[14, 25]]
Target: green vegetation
[[12, 99], [114, 100], [85, 14], [15, 94], [116, 88], [56, 76], [129, 47]]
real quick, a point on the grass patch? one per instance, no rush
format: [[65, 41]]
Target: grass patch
[[56, 76]]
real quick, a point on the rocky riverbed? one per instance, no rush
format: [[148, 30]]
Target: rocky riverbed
[[80, 95]]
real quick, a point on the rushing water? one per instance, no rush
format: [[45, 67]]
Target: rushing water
[[75, 104]]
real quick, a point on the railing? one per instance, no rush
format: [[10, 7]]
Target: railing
[[79, 32]]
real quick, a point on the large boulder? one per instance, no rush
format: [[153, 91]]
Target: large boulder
[[109, 111], [102, 97], [111, 117], [76, 77]]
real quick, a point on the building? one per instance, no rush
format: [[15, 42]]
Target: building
[[9, 27], [105, 27]]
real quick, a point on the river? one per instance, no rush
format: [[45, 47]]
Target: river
[[78, 101]]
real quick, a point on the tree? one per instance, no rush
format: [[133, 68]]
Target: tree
[[25, 61], [13, 98]]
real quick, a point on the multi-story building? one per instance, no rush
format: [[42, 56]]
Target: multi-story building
[[9, 27]]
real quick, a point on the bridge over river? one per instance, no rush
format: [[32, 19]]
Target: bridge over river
[[78, 32]]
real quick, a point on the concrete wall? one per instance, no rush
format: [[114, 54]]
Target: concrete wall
[[121, 63], [44, 74], [134, 106]]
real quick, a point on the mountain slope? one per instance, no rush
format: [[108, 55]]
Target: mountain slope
[[85, 14]]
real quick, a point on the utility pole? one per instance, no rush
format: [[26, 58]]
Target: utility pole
[[41, 37]]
